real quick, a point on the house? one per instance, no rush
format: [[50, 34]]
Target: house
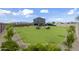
[[2, 26], [39, 21]]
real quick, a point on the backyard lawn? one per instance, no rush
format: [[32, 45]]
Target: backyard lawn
[[55, 34]]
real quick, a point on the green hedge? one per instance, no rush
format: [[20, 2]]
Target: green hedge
[[43, 47]]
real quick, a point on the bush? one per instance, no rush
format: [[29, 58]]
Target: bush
[[53, 47], [9, 32], [47, 27], [9, 46], [41, 47], [70, 39], [9, 26], [35, 47], [71, 28], [37, 27]]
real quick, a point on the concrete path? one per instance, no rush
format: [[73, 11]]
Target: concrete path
[[19, 41], [76, 43], [2, 39]]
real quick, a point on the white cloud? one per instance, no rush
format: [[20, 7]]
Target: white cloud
[[4, 11], [27, 11], [58, 19], [44, 11], [14, 13], [28, 16], [72, 11]]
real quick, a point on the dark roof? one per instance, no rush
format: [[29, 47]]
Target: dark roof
[[39, 18]]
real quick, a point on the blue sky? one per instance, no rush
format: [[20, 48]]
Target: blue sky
[[28, 14]]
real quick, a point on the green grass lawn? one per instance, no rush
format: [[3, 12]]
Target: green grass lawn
[[32, 35]]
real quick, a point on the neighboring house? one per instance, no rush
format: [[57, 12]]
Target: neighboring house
[[2, 26], [39, 21]]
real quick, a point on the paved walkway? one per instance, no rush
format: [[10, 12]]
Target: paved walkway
[[19, 41], [1, 38], [76, 43]]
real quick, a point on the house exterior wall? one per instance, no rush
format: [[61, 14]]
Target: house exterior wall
[[39, 21]]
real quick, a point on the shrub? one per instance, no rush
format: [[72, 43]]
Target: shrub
[[9, 26], [35, 47], [47, 27], [42, 47], [70, 38], [71, 28], [37, 27], [9, 46], [53, 47], [9, 32]]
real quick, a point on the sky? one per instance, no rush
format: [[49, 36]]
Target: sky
[[28, 14]]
